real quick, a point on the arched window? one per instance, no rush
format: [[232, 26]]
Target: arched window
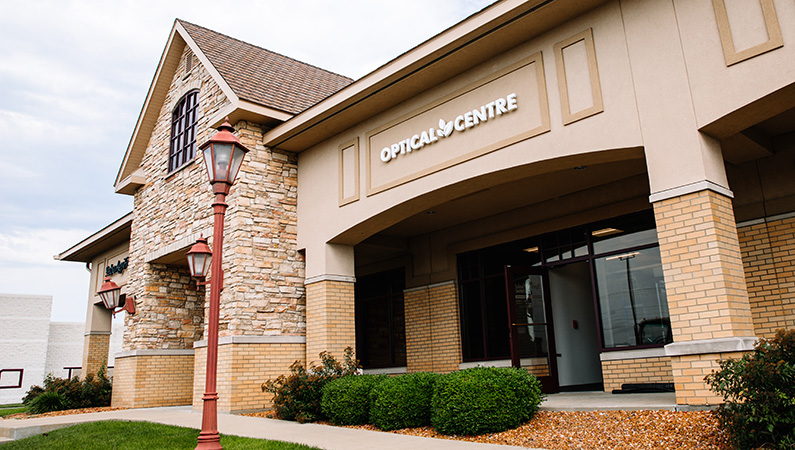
[[183, 131]]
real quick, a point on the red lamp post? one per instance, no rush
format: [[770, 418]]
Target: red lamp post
[[223, 155]]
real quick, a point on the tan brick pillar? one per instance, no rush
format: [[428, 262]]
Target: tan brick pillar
[[433, 334], [705, 285], [96, 345], [330, 316]]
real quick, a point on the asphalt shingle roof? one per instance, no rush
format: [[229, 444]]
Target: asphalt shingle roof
[[265, 77]]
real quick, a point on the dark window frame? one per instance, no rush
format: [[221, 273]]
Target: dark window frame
[[182, 149]]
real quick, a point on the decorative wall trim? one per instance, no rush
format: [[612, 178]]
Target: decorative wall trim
[[730, 54], [689, 189], [632, 354], [183, 243], [329, 277], [706, 346], [429, 286], [96, 333], [597, 106], [155, 352], [226, 340], [353, 148]]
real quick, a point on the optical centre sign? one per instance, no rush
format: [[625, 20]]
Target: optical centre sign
[[479, 118], [485, 113]]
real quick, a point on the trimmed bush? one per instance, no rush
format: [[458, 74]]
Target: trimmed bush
[[759, 394], [403, 401], [298, 396], [484, 400], [346, 400]]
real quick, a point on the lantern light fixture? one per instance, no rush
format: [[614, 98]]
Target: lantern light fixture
[[223, 155], [200, 256], [113, 299]]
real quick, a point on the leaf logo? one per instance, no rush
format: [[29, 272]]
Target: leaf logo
[[445, 128]]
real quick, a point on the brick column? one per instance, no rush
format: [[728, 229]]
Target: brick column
[[330, 317], [96, 345], [705, 285], [433, 335]]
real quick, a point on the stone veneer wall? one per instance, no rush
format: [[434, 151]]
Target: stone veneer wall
[[639, 370], [263, 271], [246, 365], [433, 336], [768, 249]]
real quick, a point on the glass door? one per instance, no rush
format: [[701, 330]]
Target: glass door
[[532, 341]]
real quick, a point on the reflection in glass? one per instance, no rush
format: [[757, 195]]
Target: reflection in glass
[[634, 308], [530, 315]]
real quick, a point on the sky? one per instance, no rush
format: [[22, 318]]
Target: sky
[[74, 76]]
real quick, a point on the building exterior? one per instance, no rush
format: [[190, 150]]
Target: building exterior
[[597, 191], [31, 347]]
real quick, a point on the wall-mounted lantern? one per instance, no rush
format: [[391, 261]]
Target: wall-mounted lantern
[[199, 258], [114, 300]]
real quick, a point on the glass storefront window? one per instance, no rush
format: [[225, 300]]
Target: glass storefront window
[[631, 291]]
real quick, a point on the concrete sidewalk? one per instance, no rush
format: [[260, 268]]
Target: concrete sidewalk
[[324, 436], [321, 436]]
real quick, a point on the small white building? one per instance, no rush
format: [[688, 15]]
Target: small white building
[[31, 346]]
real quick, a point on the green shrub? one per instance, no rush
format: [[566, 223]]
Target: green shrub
[[346, 400], [297, 396], [47, 402], [403, 401], [759, 394], [69, 393], [484, 400]]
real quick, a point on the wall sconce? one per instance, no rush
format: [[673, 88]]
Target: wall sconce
[[114, 300]]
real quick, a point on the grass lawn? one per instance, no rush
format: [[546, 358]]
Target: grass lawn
[[11, 409], [117, 435]]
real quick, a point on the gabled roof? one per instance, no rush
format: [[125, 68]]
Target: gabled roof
[[261, 86], [265, 77]]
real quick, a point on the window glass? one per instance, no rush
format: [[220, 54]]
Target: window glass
[[632, 300], [183, 131], [380, 320]]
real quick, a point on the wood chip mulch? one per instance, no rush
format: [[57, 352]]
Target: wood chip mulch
[[598, 430], [67, 412]]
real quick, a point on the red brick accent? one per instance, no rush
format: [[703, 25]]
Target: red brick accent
[[433, 336]]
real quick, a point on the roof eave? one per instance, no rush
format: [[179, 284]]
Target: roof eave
[[301, 132], [105, 239]]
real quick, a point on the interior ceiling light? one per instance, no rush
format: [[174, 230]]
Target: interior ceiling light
[[606, 232], [531, 250]]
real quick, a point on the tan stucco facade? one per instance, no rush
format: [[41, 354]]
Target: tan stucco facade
[[525, 124]]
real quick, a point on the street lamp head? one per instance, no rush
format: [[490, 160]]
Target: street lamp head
[[223, 155], [199, 258]]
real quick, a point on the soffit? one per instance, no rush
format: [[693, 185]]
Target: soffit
[[475, 40], [103, 240]]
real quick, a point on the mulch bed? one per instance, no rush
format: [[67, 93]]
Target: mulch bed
[[598, 430], [67, 412]]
